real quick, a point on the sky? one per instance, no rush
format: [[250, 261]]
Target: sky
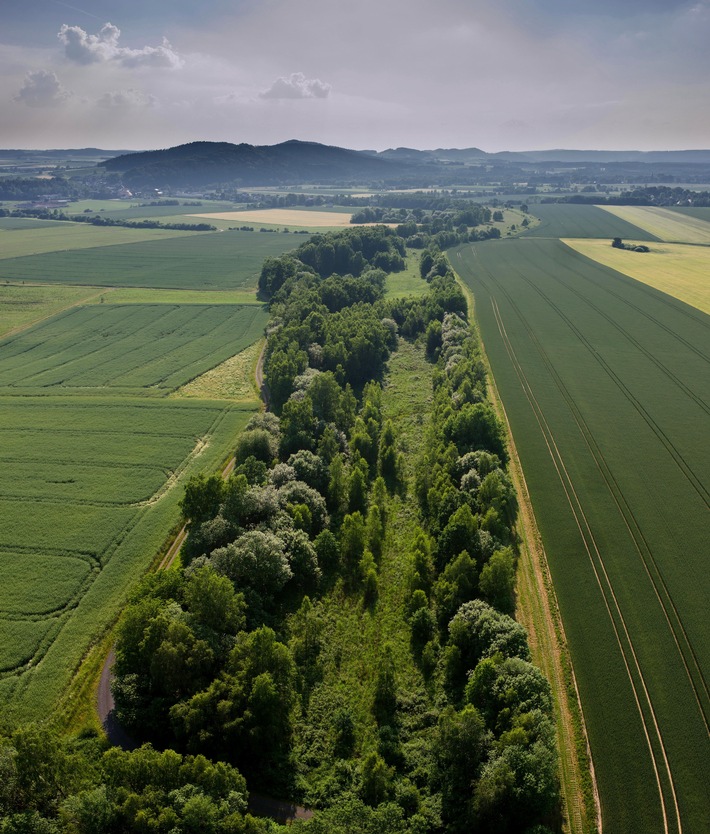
[[493, 74]]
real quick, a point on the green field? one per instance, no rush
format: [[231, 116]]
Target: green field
[[88, 495], [24, 304], [701, 213], [605, 382], [197, 261], [571, 220], [138, 346], [94, 448], [50, 236]]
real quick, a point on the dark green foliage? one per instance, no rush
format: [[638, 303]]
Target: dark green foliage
[[245, 715], [385, 698], [477, 631], [257, 443], [460, 745], [456, 584], [476, 426], [383, 753], [497, 581], [203, 495]]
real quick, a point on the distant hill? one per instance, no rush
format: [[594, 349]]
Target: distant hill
[[210, 163]]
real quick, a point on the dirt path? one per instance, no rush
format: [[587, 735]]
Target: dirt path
[[259, 375], [538, 611]]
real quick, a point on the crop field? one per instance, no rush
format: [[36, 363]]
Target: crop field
[[284, 217], [134, 346], [22, 224], [664, 224], [571, 220], [679, 269], [65, 237], [199, 261], [699, 212], [606, 385], [87, 488], [94, 447], [23, 304], [120, 210], [146, 295]]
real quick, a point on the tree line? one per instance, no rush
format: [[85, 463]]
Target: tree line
[[219, 662]]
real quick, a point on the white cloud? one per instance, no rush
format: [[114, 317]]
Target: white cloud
[[297, 86], [126, 98], [83, 48], [42, 89]]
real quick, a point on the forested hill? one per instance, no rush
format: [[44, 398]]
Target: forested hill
[[206, 163]]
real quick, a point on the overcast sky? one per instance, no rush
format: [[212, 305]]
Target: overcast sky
[[494, 74]]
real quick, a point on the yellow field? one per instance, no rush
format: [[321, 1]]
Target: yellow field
[[232, 380], [664, 224], [677, 269], [283, 217]]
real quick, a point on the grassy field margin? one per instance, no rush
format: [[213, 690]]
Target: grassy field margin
[[537, 609]]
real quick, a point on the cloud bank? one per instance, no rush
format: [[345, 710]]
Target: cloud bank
[[297, 85], [83, 48], [42, 89]]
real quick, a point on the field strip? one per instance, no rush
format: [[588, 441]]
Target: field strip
[[650, 356], [539, 613], [283, 217], [680, 461], [73, 236], [678, 269], [667, 300], [670, 612], [87, 299], [664, 224], [616, 617]]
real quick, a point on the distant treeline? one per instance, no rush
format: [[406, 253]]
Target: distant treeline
[[653, 195], [100, 220]]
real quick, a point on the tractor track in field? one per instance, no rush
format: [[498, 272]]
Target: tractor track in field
[[665, 600], [616, 618], [659, 759]]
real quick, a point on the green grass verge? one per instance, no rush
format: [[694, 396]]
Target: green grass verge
[[355, 636], [409, 281]]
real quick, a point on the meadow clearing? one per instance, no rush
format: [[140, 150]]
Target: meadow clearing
[[679, 269], [106, 406], [619, 478], [663, 223]]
